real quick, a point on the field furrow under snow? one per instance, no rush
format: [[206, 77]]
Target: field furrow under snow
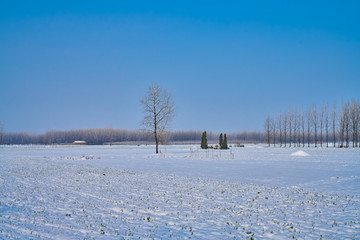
[[127, 193]]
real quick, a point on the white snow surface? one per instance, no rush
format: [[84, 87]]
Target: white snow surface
[[128, 192], [300, 154]]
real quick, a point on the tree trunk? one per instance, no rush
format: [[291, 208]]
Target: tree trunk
[[321, 133], [290, 129], [156, 140], [157, 145], [155, 131]]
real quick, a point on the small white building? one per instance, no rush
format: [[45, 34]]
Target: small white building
[[79, 143]]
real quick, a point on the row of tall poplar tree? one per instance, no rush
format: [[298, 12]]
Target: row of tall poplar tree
[[317, 126]]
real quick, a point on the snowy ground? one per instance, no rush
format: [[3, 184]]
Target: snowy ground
[[127, 192]]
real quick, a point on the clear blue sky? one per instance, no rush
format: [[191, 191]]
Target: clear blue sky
[[228, 64]]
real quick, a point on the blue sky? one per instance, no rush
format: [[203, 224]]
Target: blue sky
[[228, 64]]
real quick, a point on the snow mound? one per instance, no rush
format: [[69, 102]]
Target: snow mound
[[300, 153]]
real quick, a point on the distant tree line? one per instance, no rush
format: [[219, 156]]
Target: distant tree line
[[91, 136], [319, 126], [119, 136]]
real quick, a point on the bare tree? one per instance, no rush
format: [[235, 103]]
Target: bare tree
[[290, 126], [302, 127], [346, 111], [273, 128], [280, 130], [321, 119], [314, 122], [308, 126], [333, 116], [354, 121], [326, 110], [344, 125], [341, 130], [159, 111], [267, 126]]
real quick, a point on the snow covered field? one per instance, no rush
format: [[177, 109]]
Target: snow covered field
[[127, 192]]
